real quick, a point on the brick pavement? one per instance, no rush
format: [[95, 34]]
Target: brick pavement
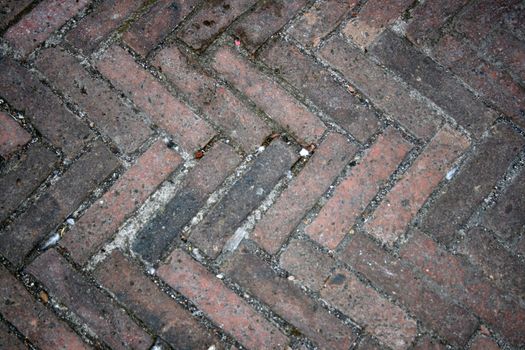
[[262, 174]]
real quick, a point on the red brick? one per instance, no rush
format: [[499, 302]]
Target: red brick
[[215, 100], [472, 183], [388, 322], [91, 306], [190, 131], [104, 217], [149, 30], [320, 20], [288, 210], [22, 175], [150, 304], [424, 74], [399, 279], [306, 264], [10, 9], [43, 109], [373, 18], [391, 218], [482, 342], [99, 24], [219, 303], [61, 199], [8, 340], [427, 343], [41, 22], [354, 193], [395, 99], [464, 283], [288, 300], [12, 135], [269, 96], [508, 51], [33, 319], [318, 84], [247, 193], [213, 18], [266, 20], [103, 106]]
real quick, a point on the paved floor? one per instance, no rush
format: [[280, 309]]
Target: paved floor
[[243, 174]]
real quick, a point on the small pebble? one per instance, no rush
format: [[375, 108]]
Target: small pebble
[[220, 276], [70, 221], [304, 153], [291, 278]]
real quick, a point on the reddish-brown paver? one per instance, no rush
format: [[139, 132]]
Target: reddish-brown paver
[[12, 135]]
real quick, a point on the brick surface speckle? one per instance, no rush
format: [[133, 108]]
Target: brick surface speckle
[[12, 135]]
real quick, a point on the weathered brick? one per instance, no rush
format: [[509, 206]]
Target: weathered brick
[[21, 176], [288, 210], [211, 20], [305, 74], [154, 238], [95, 97], [12, 135], [287, 299], [320, 20], [36, 27], [33, 319], [398, 278], [156, 24], [482, 342], [269, 96], [215, 100], [383, 90], [42, 107], [372, 20], [424, 74], [190, 130], [8, 340], [10, 9], [150, 304], [468, 188], [265, 21], [465, 283], [427, 343], [220, 304], [508, 51], [354, 193], [104, 217], [388, 322], [308, 265], [60, 200], [391, 218], [99, 24], [513, 19], [246, 194]]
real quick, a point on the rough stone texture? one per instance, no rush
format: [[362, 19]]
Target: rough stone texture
[[9, 340], [482, 342], [10, 9], [12, 135]]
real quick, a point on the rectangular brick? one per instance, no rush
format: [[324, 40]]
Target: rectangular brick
[[303, 192], [318, 84], [8, 340], [356, 191], [266, 20], [38, 25], [21, 176], [212, 19], [190, 130], [61, 199], [149, 30], [95, 97], [424, 74], [268, 95], [288, 300], [398, 278], [12, 135], [150, 304], [320, 20], [32, 318], [10, 9], [69, 287], [464, 283], [45, 111], [388, 322], [372, 20], [472, 183], [395, 99], [391, 218], [220, 304], [105, 216], [216, 100], [99, 24], [246, 195], [157, 235]]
